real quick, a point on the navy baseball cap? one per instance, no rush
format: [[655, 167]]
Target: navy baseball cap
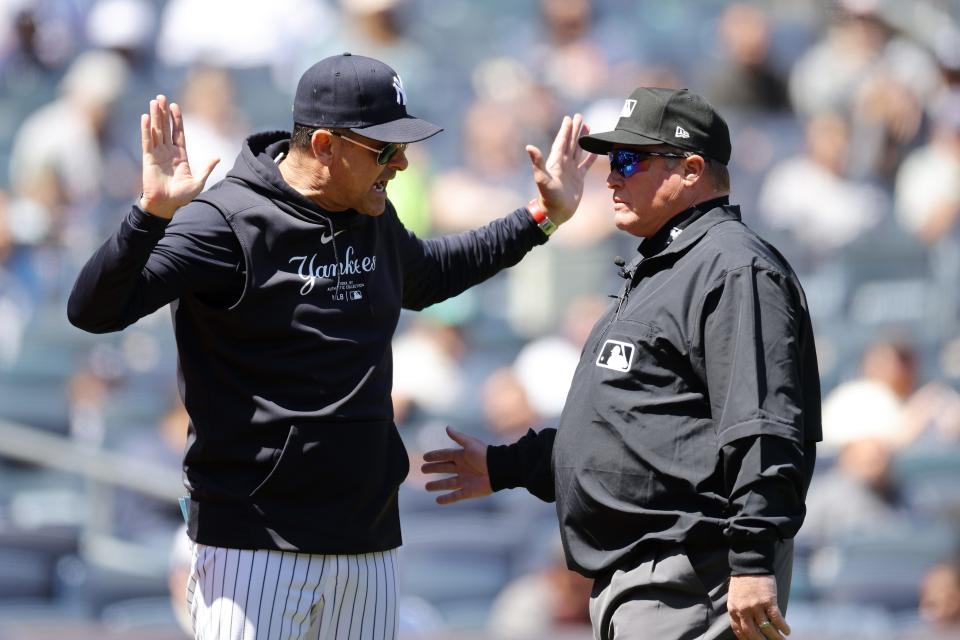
[[676, 117], [360, 94]]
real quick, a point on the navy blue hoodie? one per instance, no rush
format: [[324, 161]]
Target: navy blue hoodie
[[284, 315]]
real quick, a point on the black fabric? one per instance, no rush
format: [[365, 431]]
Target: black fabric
[[693, 412], [284, 315], [526, 463]]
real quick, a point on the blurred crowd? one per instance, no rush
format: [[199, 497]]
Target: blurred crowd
[[845, 118]]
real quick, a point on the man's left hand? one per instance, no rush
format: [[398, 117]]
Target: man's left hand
[[754, 613], [560, 178]]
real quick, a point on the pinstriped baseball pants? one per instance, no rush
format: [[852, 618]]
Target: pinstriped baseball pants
[[241, 594]]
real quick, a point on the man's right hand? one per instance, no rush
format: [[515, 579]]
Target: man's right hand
[[168, 183], [467, 466]]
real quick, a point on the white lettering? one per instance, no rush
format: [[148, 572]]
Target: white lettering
[[308, 271]]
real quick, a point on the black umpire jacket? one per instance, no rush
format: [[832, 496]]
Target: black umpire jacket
[[694, 411]]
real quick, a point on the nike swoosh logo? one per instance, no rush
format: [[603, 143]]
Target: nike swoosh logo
[[324, 238]]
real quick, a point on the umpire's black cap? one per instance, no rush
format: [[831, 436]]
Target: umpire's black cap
[[360, 94], [677, 117]]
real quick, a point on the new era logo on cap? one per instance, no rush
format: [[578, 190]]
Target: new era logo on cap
[[681, 133]]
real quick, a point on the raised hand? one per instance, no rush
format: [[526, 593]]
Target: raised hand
[[168, 182], [466, 466], [560, 178]]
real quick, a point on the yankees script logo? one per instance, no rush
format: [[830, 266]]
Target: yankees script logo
[[308, 269]]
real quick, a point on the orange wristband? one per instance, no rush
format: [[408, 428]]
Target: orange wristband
[[546, 225]]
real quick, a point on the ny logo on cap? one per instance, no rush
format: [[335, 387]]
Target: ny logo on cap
[[681, 133], [628, 107], [401, 92]]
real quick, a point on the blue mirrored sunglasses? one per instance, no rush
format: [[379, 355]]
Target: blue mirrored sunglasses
[[626, 162]]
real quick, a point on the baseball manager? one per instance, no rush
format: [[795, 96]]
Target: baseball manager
[[286, 281]]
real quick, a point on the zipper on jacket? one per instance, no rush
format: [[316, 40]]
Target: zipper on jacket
[[621, 300]]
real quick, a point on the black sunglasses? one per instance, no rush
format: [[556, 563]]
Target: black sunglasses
[[384, 154], [626, 162]]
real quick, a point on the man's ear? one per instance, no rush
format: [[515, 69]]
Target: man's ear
[[693, 168], [321, 144]]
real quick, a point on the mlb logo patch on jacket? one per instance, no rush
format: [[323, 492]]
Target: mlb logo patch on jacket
[[616, 355]]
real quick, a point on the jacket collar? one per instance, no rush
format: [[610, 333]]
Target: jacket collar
[[685, 229]]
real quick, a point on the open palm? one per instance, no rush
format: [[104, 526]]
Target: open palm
[[560, 178], [168, 182], [466, 466]]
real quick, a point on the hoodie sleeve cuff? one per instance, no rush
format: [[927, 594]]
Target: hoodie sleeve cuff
[[751, 557], [144, 221]]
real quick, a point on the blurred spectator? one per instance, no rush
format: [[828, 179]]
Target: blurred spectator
[[872, 405], [426, 369], [491, 177], [27, 75], [248, 33], [40, 34], [857, 496], [859, 46], [864, 67], [126, 27], [545, 366], [550, 603], [511, 85], [810, 196], [141, 518], [506, 407], [928, 183], [378, 28], [940, 600], [216, 125], [569, 60], [87, 391], [886, 403], [747, 80], [58, 154], [16, 305]]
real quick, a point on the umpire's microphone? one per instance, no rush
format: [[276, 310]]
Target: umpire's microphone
[[620, 262]]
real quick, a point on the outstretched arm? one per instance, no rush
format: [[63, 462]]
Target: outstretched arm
[[478, 470], [150, 261], [443, 267]]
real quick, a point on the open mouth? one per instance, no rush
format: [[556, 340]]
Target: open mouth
[[380, 187]]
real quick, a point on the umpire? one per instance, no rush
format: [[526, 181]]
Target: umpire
[[688, 439]]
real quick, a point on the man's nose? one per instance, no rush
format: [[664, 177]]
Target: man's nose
[[614, 180], [399, 160]]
